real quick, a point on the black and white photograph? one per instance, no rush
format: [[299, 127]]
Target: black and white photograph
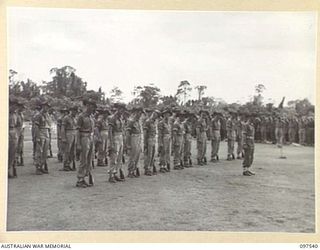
[[160, 120]]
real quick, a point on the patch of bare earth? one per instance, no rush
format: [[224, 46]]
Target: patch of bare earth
[[215, 197]]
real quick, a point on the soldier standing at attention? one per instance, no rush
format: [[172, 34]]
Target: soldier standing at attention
[[201, 131], [13, 138], [133, 133], [149, 141], [164, 141], [172, 119], [248, 145], [102, 126], [177, 142], [50, 113], [85, 124], [302, 124], [34, 143], [292, 130], [20, 133], [115, 144], [69, 136], [240, 130], [231, 135], [63, 112], [215, 136], [42, 124], [279, 130], [187, 128], [263, 129]]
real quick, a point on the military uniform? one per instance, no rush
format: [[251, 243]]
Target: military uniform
[[177, 143], [279, 131], [102, 125], [270, 131], [149, 130], [115, 147], [231, 136], [133, 130], [292, 129], [248, 145], [60, 145], [13, 142], [85, 124], [20, 133], [240, 131], [201, 141], [263, 129], [171, 121], [50, 155], [302, 124], [164, 145], [215, 138], [33, 134], [187, 138], [69, 136], [42, 122]]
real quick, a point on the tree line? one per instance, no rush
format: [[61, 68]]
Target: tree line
[[66, 87]]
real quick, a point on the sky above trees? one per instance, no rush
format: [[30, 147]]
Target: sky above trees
[[229, 52]]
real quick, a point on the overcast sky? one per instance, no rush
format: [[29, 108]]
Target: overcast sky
[[230, 52]]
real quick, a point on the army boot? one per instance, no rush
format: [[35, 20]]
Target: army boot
[[122, 175], [73, 166], [168, 167], [117, 178], [137, 174], [45, 169]]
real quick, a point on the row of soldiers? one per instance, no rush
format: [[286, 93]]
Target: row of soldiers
[[114, 131]]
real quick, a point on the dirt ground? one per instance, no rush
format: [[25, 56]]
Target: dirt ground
[[216, 197]]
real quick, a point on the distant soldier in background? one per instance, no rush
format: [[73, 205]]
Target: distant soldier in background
[[187, 139], [63, 112], [125, 117], [34, 142], [263, 128], [280, 123], [248, 144], [270, 131], [102, 125], [177, 142], [134, 142], [172, 119], [164, 141], [20, 133], [69, 136], [240, 130], [149, 141], [42, 123], [302, 124], [50, 113], [231, 135], [292, 129], [115, 144], [279, 130], [85, 124], [215, 135], [310, 131], [13, 137], [202, 138]]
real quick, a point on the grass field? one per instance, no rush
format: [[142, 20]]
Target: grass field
[[215, 197]]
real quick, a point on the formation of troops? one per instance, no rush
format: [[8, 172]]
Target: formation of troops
[[92, 135]]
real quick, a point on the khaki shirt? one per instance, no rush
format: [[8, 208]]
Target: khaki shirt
[[85, 123], [150, 128]]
